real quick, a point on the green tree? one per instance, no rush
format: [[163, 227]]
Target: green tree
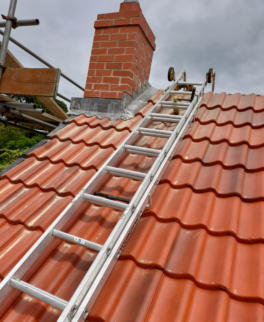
[[14, 141]]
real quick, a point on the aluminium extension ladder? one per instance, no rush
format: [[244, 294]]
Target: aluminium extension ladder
[[77, 308]]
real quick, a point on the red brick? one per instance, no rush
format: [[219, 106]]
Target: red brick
[[103, 72], [110, 31], [122, 22], [131, 36], [92, 93], [109, 95], [94, 79], [88, 86], [125, 58], [129, 82], [103, 23], [99, 51], [111, 80], [119, 88], [101, 87], [129, 43], [94, 59], [130, 7], [130, 13], [97, 66], [114, 65], [131, 51], [98, 31], [113, 15], [123, 73], [119, 37], [135, 21], [108, 44], [122, 88], [96, 44], [116, 51], [101, 37], [132, 29], [105, 58], [91, 72]]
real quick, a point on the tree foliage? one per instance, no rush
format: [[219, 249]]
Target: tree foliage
[[14, 141]]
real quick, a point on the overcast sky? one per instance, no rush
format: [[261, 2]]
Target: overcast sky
[[192, 35]]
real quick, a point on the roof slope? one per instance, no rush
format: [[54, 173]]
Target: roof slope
[[196, 254]]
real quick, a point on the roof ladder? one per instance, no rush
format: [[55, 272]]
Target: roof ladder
[[107, 254]]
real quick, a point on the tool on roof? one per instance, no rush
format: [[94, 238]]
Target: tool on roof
[[210, 77], [171, 74], [86, 292], [105, 195]]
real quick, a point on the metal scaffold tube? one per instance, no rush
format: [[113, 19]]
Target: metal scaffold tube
[[6, 34]]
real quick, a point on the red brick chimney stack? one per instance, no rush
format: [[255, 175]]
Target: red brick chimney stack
[[121, 54]]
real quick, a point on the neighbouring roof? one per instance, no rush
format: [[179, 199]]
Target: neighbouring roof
[[197, 253]]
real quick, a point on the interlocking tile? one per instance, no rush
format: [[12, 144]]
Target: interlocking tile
[[14, 242], [30, 206], [225, 182], [73, 154], [234, 116], [227, 101], [229, 156], [91, 136], [197, 252], [149, 294], [50, 177], [217, 261], [219, 216], [233, 135], [105, 124]]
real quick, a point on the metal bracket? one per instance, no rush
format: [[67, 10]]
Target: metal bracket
[[149, 204], [19, 23], [12, 19]]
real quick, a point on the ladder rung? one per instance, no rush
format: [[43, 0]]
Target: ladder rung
[[125, 173], [141, 150], [165, 117], [174, 104], [188, 83], [105, 202], [180, 92], [38, 293], [154, 132], [76, 240]]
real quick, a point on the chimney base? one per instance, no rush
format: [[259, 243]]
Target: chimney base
[[113, 109]]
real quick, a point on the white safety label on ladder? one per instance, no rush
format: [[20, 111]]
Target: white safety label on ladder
[[79, 240]]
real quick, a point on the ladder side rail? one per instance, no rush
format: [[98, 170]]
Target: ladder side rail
[[92, 281], [122, 233], [32, 255]]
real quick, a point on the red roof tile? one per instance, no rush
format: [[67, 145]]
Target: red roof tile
[[197, 252]]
